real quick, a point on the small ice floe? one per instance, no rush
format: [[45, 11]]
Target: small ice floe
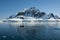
[[4, 36]]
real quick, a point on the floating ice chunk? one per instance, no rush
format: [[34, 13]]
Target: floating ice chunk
[[4, 36]]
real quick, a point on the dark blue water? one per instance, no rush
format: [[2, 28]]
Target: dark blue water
[[30, 31]]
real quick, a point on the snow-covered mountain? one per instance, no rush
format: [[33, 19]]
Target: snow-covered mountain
[[34, 12], [32, 15]]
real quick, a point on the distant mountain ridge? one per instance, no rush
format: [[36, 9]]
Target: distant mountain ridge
[[34, 12]]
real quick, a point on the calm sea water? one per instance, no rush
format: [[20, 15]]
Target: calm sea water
[[30, 31]]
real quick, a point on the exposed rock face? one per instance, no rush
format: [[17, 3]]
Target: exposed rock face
[[33, 12]]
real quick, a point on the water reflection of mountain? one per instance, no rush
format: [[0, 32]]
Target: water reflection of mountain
[[32, 23], [32, 31], [40, 31]]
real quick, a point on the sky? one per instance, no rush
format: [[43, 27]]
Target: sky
[[11, 7]]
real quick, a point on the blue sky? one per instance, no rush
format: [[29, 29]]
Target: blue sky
[[11, 7]]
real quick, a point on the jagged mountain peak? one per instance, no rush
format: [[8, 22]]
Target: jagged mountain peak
[[29, 12], [51, 14]]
